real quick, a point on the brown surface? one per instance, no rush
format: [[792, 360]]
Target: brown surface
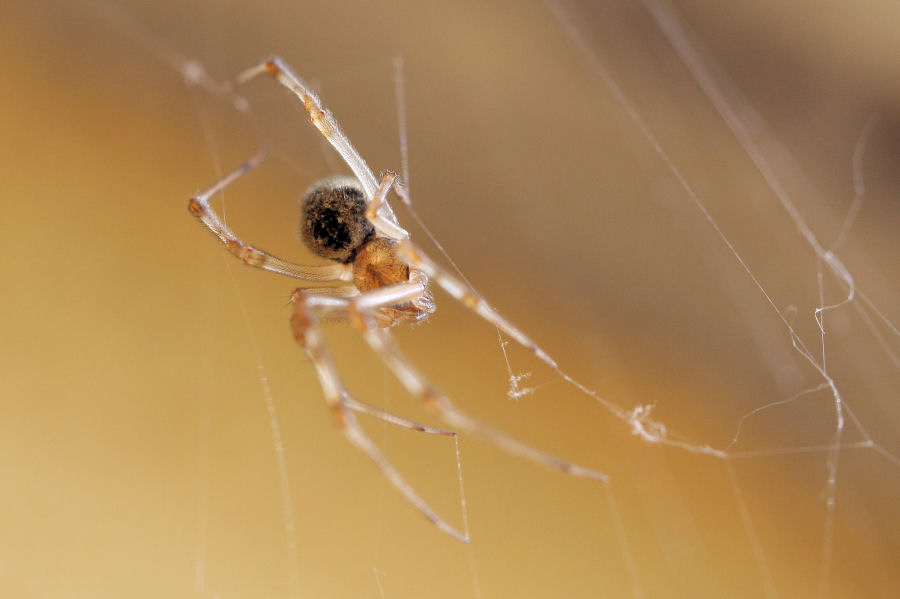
[[135, 449]]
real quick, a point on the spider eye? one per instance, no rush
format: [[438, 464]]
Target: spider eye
[[333, 221]]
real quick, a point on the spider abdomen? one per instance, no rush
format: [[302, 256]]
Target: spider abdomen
[[333, 221]]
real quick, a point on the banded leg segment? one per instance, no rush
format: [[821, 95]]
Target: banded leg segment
[[246, 253], [390, 418], [307, 332], [467, 296], [418, 386], [386, 226], [276, 68]]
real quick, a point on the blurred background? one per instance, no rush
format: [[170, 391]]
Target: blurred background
[[141, 363]]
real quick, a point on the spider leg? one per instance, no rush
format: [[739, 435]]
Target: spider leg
[[418, 385], [383, 215], [416, 258], [328, 301], [249, 255], [307, 332], [276, 68], [386, 226], [388, 417], [360, 311], [340, 291]]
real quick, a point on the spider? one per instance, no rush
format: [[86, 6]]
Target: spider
[[349, 221]]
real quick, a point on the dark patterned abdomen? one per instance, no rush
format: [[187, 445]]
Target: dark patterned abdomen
[[333, 220]]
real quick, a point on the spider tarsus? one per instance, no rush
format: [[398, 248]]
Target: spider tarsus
[[592, 474], [434, 431]]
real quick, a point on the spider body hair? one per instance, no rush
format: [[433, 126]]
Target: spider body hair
[[333, 225], [333, 221]]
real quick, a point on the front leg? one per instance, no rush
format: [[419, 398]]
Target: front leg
[[276, 68], [199, 206]]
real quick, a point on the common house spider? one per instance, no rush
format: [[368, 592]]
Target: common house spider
[[386, 280]]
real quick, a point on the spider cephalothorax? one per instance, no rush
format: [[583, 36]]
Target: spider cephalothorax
[[378, 265]]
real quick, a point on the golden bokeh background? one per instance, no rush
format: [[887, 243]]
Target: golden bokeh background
[[137, 451]]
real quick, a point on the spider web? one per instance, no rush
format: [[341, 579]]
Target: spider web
[[702, 234]]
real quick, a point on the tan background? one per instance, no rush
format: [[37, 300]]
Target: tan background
[[136, 455]]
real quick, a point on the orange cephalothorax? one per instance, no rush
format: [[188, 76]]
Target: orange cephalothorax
[[378, 265]]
